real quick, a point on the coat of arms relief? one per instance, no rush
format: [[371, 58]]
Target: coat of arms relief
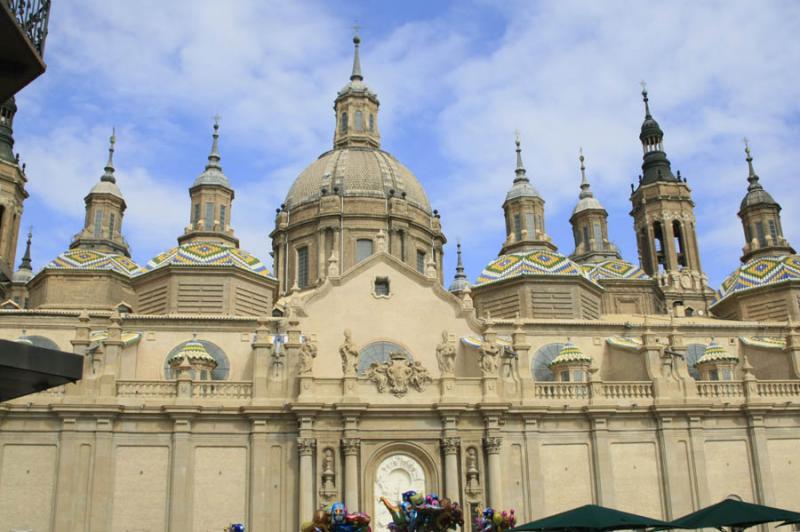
[[398, 374]]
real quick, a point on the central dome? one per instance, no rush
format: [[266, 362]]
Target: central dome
[[358, 172]]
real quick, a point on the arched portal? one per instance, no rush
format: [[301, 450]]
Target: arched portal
[[395, 475]]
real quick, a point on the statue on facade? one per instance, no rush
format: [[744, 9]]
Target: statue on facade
[[473, 475], [489, 352], [446, 355], [398, 374], [307, 354], [327, 490], [349, 355]]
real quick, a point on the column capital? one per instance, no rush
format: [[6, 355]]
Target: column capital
[[492, 444], [351, 446], [450, 445], [306, 446]]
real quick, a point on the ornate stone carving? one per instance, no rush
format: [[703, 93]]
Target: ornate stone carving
[[305, 446], [307, 354], [398, 374], [489, 352], [394, 476], [492, 444], [351, 446], [446, 355], [473, 475], [349, 355], [327, 490], [450, 445]]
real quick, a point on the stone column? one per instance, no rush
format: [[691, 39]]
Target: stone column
[[352, 449], [601, 462], [102, 482], [450, 448], [697, 442], [522, 348], [305, 448], [179, 518], [259, 450], [322, 260], [262, 346], [760, 453], [113, 351], [493, 444], [65, 495]]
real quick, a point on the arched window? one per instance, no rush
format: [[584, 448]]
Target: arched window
[[371, 122], [220, 373], [359, 125], [111, 221], [543, 356], [40, 341], [658, 235], [378, 352], [517, 228], [343, 123], [693, 354], [677, 233], [98, 223]]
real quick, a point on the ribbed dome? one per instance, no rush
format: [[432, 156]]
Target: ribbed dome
[[714, 353], [357, 172], [570, 354], [208, 254], [758, 272], [106, 187], [757, 196], [87, 259], [194, 352], [530, 263]]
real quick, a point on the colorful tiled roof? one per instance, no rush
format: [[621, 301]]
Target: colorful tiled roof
[[88, 259], [614, 269], [758, 272], [193, 351], [208, 254], [715, 353], [522, 264], [570, 354]]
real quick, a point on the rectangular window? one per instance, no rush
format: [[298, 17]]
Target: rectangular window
[[371, 122], [565, 376], [208, 223], [762, 238], [403, 245], [586, 237], [363, 249], [773, 232], [598, 237], [222, 214], [382, 286], [111, 222], [302, 267], [713, 375], [196, 214], [98, 223], [343, 123], [530, 226], [359, 121], [420, 261], [517, 228]]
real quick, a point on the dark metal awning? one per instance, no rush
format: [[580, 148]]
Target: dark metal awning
[[26, 369]]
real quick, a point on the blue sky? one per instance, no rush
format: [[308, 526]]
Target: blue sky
[[455, 80]]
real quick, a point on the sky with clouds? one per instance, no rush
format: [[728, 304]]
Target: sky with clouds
[[455, 80]]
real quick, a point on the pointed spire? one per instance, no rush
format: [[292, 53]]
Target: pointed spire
[[108, 175], [214, 157], [460, 281], [26, 258], [586, 191], [752, 177], [520, 171], [356, 75], [646, 100]]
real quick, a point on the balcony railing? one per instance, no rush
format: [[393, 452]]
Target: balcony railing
[[561, 390], [778, 388], [720, 389], [222, 389], [147, 389], [32, 16], [627, 390]]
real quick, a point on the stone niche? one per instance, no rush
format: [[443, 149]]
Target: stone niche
[[539, 297]]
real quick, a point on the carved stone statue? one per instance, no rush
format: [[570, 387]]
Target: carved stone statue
[[473, 476], [446, 355], [307, 354], [489, 352], [328, 487], [398, 374], [349, 355]]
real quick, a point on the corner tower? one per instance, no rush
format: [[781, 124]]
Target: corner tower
[[524, 213], [211, 198], [105, 206], [12, 189], [589, 222], [663, 216], [761, 219]]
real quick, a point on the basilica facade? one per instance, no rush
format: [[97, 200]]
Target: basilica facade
[[220, 389]]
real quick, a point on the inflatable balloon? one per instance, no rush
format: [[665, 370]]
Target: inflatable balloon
[[417, 512], [491, 521], [336, 518]]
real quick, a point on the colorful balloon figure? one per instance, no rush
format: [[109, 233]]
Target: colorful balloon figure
[[492, 521], [423, 513], [336, 518], [235, 527]]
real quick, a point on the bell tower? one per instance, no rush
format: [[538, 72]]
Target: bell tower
[[664, 221], [356, 109], [12, 189]]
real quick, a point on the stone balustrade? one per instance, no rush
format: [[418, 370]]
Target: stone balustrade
[[147, 388], [778, 388], [222, 389], [720, 389], [561, 390], [627, 390]]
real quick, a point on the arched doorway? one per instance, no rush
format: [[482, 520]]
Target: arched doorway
[[395, 475]]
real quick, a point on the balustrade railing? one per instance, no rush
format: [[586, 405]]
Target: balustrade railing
[[147, 389], [720, 389], [222, 389], [561, 390], [778, 388], [627, 390]]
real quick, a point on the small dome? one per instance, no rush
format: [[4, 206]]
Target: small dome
[[22, 275], [106, 187], [570, 354], [614, 269], [716, 353], [650, 128], [357, 172], [194, 352], [522, 189], [587, 203], [757, 196], [758, 272], [212, 176], [209, 254], [529, 263], [88, 259], [459, 284]]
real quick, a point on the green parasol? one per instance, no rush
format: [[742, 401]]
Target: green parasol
[[592, 517], [734, 513]]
